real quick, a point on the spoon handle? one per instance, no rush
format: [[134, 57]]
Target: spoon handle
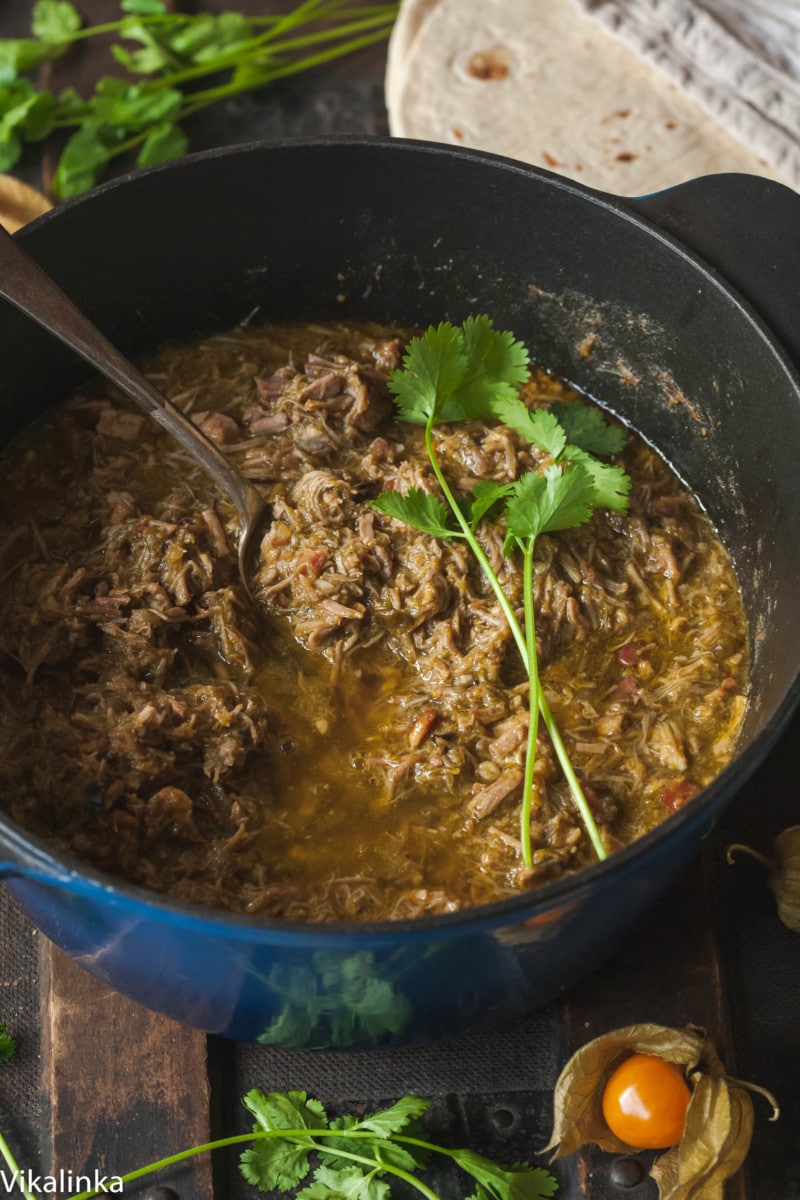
[[30, 289]]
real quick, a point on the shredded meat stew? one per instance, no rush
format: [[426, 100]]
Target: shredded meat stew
[[352, 746]]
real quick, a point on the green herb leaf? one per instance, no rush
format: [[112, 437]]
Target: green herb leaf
[[25, 113], [433, 367], [420, 509], [519, 1183], [285, 1110], [144, 8], [484, 497], [455, 374], [55, 21], [8, 1047], [83, 158], [18, 55], [587, 428], [155, 54], [557, 499], [538, 426], [398, 1117], [227, 33], [497, 366], [611, 484], [275, 1164], [279, 1162], [162, 143], [344, 1183], [130, 106]]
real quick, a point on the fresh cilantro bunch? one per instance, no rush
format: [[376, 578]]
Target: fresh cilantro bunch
[[350, 1158], [166, 57], [475, 372], [354, 1159]]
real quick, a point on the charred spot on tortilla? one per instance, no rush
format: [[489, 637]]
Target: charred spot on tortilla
[[490, 64]]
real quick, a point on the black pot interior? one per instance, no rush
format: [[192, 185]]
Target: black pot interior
[[394, 232]]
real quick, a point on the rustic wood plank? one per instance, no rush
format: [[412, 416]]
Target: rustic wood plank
[[122, 1086]]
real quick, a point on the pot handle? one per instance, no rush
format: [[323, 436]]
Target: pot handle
[[748, 228]]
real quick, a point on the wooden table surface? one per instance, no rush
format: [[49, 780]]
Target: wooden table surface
[[99, 1082]]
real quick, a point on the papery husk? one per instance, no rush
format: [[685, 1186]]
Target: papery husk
[[784, 873], [578, 1097], [719, 1126], [784, 878]]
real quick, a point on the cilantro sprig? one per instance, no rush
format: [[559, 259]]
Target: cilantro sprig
[[474, 372], [349, 1158], [166, 57]]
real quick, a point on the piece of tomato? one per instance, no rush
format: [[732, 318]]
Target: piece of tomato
[[645, 1102]]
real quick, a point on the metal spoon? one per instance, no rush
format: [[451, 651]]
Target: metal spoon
[[26, 285]]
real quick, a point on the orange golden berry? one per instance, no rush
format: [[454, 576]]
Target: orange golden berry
[[645, 1102]]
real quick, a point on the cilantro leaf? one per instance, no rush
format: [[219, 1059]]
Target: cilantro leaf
[[275, 1163], [399, 1116], [154, 53], [497, 366], [144, 8], [587, 428], [281, 1162], [344, 1183], [546, 503], [83, 157], [163, 142], [381, 1148], [611, 484], [8, 1047], [285, 1110], [454, 374], [540, 427], [420, 509], [55, 20], [433, 367], [519, 1183], [24, 54], [484, 497], [131, 106]]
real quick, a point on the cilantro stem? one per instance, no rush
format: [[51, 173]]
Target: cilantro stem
[[530, 663], [12, 1163], [263, 1135], [572, 779], [244, 51], [534, 701], [475, 546]]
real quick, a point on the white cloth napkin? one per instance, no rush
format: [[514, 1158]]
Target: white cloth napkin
[[740, 59]]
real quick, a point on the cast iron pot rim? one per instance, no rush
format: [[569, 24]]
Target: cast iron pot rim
[[702, 811]]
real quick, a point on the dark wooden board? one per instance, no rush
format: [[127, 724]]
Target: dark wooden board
[[121, 1086]]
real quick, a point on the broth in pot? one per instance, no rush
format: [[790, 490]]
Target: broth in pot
[[351, 745]]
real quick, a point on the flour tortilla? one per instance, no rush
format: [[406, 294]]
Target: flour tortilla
[[410, 20], [562, 93]]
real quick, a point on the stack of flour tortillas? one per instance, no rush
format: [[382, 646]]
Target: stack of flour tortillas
[[628, 96]]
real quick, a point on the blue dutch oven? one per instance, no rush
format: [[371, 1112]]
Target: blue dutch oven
[[692, 298]]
